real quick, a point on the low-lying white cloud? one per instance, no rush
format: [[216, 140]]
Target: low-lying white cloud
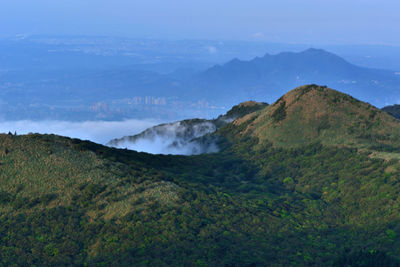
[[177, 138], [171, 138], [97, 131]]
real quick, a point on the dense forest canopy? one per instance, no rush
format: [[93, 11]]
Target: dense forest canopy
[[267, 198]]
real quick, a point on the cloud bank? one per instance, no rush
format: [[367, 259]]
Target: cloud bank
[[97, 131], [177, 138], [172, 138]]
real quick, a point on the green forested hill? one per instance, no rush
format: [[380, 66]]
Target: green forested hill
[[257, 202], [393, 110], [314, 113]]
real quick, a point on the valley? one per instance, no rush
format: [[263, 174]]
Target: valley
[[316, 194]]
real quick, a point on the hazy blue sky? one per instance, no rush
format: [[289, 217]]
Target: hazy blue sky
[[294, 21]]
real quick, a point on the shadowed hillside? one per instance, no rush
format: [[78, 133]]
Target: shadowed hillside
[[311, 198]]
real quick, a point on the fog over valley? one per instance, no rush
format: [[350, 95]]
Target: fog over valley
[[178, 138], [97, 131]]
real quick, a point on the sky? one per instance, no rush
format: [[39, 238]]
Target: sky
[[287, 21]]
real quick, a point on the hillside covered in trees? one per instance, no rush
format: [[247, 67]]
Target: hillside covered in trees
[[313, 179]]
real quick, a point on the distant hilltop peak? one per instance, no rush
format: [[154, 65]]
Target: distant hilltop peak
[[313, 113], [314, 92], [315, 51], [266, 78], [393, 110], [306, 63], [307, 52], [243, 109], [251, 103]]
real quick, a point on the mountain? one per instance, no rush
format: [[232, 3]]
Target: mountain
[[393, 110], [266, 78], [313, 113], [303, 198], [182, 137], [115, 92]]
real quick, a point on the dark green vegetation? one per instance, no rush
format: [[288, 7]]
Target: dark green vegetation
[[258, 202], [393, 110], [244, 109]]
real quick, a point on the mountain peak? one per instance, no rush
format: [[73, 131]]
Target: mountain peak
[[310, 52], [315, 51], [313, 93], [313, 113], [243, 109], [251, 103]]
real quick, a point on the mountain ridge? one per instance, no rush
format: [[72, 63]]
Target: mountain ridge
[[267, 77], [313, 113], [393, 110], [125, 92], [182, 137], [65, 201]]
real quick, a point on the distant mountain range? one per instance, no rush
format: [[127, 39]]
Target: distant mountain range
[[128, 92], [265, 78]]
